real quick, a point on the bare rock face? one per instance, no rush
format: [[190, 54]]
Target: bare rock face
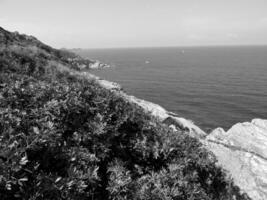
[[242, 151], [98, 65]]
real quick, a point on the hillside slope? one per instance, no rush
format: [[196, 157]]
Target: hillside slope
[[63, 136]]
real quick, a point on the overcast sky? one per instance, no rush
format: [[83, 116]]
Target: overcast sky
[[137, 23]]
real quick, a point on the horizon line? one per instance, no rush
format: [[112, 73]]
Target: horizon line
[[182, 46]]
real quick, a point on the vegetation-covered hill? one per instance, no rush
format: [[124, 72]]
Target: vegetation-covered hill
[[64, 137]]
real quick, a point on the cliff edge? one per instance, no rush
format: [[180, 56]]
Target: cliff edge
[[242, 151]]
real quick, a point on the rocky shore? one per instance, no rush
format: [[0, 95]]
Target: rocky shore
[[85, 64], [242, 151]]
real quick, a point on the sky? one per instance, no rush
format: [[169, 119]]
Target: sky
[[138, 23]]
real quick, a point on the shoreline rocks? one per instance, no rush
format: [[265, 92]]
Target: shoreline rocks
[[98, 65], [86, 64], [242, 151]]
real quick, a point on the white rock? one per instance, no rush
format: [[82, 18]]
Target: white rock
[[152, 108], [194, 130], [242, 151], [98, 65], [109, 85], [173, 127]]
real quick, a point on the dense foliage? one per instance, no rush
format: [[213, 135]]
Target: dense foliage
[[64, 137]]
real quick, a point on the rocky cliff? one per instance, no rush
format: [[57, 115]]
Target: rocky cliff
[[242, 151], [85, 64]]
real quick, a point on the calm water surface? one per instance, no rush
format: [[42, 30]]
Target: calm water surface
[[213, 86]]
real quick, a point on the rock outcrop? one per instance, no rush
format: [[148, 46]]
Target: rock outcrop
[[85, 64], [98, 65], [242, 151]]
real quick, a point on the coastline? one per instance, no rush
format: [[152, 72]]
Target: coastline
[[240, 152]]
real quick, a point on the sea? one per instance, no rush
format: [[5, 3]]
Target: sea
[[212, 86]]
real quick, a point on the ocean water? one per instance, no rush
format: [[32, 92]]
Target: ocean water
[[212, 86]]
